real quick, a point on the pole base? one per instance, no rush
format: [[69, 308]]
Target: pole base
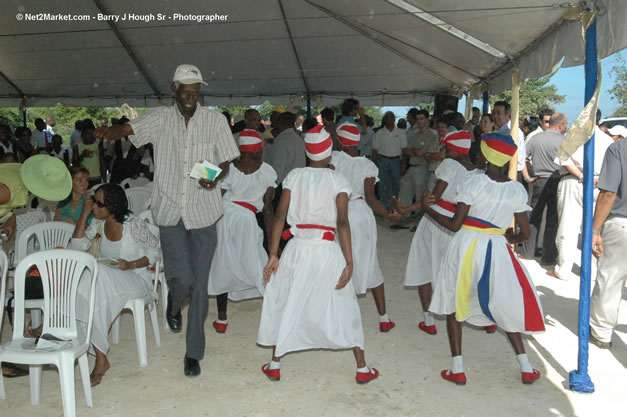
[[580, 382]]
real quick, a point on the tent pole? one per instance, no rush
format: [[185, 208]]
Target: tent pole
[[579, 380], [24, 116], [308, 107], [486, 102], [513, 163]]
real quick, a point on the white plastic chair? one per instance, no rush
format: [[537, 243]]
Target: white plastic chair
[[47, 235], [61, 270], [137, 306], [159, 279], [138, 198]]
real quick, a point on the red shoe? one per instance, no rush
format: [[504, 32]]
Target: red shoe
[[365, 377], [427, 329], [386, 326], [490, 329], [530, 377], [459, 379], [220, 327], [272, 374]]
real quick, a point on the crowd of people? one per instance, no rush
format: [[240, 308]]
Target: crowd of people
[[291, 218]]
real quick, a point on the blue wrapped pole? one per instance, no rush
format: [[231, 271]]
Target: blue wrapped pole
[[486, 103], [308, 107], [580, 380]]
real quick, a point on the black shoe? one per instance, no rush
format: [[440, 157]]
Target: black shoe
[[192, 367], [175, 321]]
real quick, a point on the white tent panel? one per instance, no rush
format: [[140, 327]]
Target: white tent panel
[[284, 50]]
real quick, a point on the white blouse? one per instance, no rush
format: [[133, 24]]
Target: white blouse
[[136, 242]]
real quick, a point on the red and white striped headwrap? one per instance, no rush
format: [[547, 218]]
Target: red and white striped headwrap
[[348, 134], [318, 143], [250, 141], [458, 141]]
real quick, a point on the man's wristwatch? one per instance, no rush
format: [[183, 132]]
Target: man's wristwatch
[[596, 232]]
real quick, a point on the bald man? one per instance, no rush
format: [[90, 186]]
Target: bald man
[[541, 151]]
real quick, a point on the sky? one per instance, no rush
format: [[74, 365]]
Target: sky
[[570, 83]]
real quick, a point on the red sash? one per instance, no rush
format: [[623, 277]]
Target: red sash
[[446, 205], [328, 235], [246, 205]]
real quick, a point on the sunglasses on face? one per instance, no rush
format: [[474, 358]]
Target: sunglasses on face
[[98, 203]]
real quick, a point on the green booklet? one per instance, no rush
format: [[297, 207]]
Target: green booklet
[[206, 170]]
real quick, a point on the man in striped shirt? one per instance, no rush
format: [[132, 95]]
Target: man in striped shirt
[[185, 210]]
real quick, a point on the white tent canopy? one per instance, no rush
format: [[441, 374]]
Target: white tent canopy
[[383, 52]]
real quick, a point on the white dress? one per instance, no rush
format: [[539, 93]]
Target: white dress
[[115, 287], [366, 270], [480, 278], [301, 307], [237, 266], [431, 239]]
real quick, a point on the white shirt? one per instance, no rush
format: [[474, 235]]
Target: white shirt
[[601, 142], [177, 148], [390, 143], [249, 188], [356, 170], [313, 192]]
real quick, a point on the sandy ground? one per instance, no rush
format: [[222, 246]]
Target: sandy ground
[[321, 383]]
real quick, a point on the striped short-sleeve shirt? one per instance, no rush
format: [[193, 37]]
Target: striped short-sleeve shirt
[[177, 148]]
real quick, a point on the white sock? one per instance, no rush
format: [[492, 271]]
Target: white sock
[[222, 321], [274, 365], [364, 370], [457, 364], [384, 318], [523, 360], [429, 320]]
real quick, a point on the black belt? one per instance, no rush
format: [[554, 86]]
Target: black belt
[[417, 165], [389, 157]]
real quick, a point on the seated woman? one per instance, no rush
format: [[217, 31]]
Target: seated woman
[[128, 246], [70, 209]]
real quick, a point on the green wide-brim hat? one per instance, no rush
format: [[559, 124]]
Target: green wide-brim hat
[[47, 177]]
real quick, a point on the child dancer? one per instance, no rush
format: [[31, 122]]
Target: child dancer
[[362, 175], [481, 280], [236, 270], [305, 305], [431, 239]]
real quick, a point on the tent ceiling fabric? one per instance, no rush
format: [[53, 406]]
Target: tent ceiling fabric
[[372, 49]]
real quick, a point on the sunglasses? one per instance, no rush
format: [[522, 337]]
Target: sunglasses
[[98, 203]]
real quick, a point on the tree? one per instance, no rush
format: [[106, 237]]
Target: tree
[[619, 91], [535, 95]]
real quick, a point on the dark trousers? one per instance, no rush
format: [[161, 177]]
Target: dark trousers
[[187, 256], [544, 196]]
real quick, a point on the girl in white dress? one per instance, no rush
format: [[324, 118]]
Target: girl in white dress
[[128, 247], [237, 267], [431, 240], [362, 174], [481, 280], [305, 305]]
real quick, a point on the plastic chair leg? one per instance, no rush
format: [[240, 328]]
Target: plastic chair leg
[[140, 331], [115, 330], [83, 367], [35, 318], [3, 395], [66, 378], [155, 323], [164, 299], [34, 374]]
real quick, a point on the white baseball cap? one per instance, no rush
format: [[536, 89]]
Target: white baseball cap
[[618, 130], [188, 74]]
